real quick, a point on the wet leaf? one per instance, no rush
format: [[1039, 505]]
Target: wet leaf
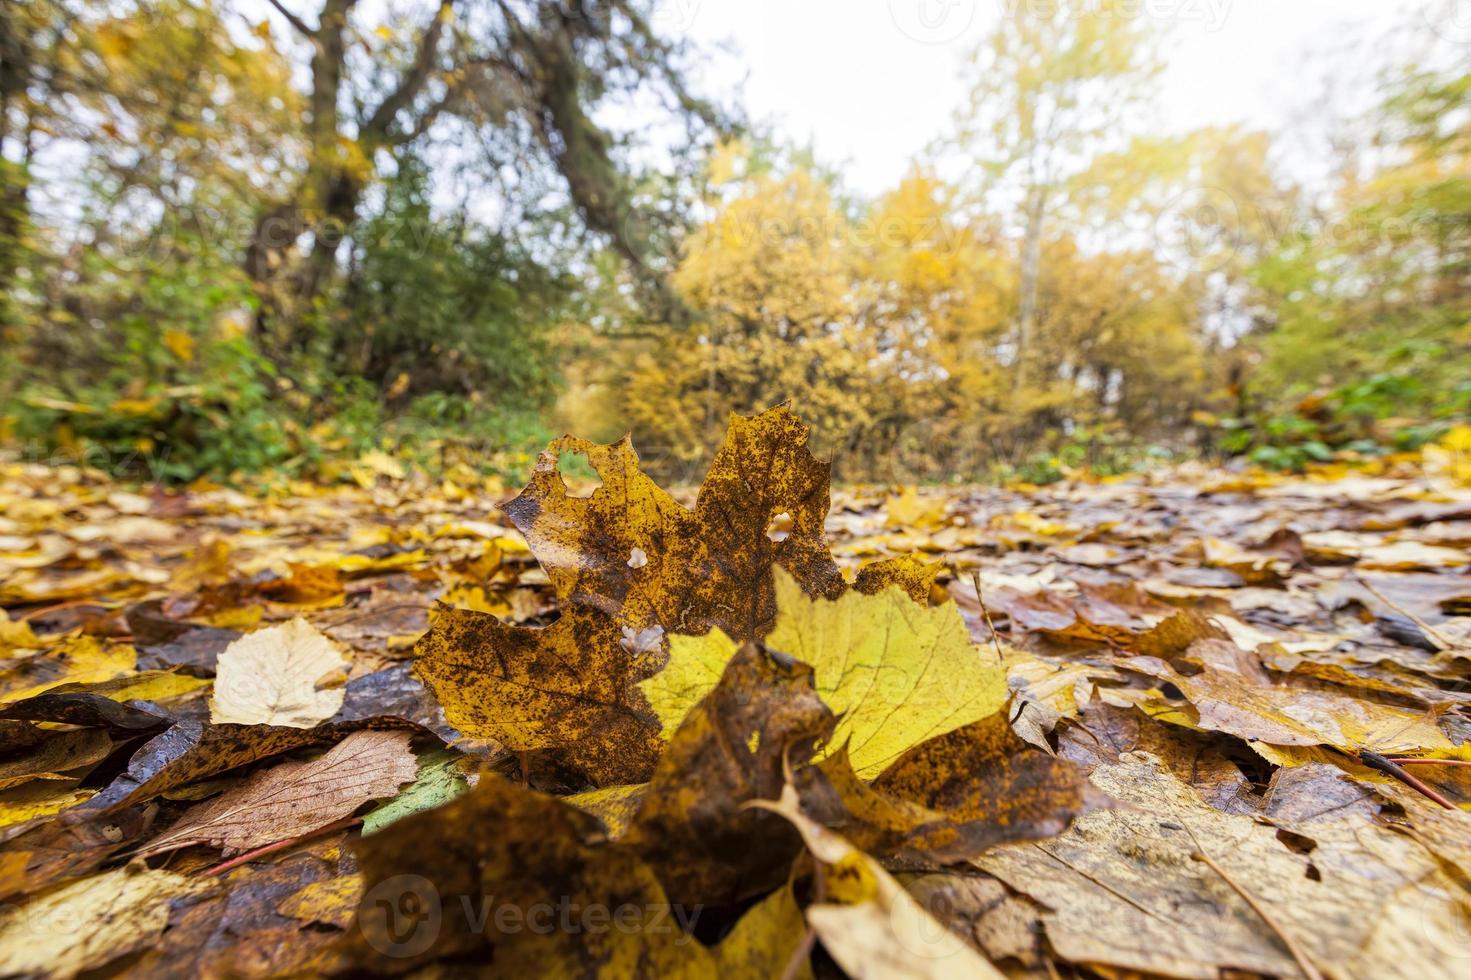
[[62, 752], [295, 797]]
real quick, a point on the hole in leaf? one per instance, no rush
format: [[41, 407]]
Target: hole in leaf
[[578, 476], [1296, 842], [779, 527]]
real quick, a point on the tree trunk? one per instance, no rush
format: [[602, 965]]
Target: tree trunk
[[1027, 301], [15, 71], [323, 205]]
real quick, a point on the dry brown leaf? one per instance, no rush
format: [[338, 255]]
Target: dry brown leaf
[[278, 676], [692, 827], [571, 686], [641, 557], [192, 750], [295, 797], [1122, 890], [1232, 693], [867, 921]]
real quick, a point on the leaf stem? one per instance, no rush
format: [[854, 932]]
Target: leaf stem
[[280, 845], [1304, 963]]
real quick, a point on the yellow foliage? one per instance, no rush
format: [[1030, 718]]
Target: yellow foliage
[[893, 329]]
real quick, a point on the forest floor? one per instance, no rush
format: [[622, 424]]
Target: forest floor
[[221, 711]]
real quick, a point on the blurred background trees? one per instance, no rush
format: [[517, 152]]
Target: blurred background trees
[[238, 235]]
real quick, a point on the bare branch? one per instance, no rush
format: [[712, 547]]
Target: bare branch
[[414, 78], [295, 21]]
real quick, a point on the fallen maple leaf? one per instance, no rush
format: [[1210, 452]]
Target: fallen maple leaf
[[692, 826], [570, 686], [275, 676], [896, 673], [1122, 888], [296, 797], [1230, 692], [915, 577], [951, 798], [500, 851], [641, 557]]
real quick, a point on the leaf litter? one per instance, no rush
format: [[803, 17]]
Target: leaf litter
[[1189, 723]]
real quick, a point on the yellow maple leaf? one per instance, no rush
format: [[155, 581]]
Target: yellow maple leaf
[[897, 673]]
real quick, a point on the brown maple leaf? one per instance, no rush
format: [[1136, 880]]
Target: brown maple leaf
[[636, 553]]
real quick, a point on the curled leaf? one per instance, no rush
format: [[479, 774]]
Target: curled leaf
[[868, 922]]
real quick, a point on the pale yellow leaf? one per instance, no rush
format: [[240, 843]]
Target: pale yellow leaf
[[274, 677], [869, 924], [91, 922]]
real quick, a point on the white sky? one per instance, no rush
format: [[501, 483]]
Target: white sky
[[870, 82]]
